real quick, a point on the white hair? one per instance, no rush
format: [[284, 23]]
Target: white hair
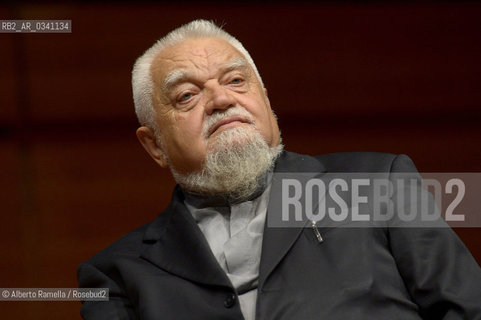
[[142, 82]]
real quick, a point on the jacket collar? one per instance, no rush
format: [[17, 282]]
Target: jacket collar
[[175, 244]]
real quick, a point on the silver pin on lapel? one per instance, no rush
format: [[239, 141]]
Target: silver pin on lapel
[[316, 231]]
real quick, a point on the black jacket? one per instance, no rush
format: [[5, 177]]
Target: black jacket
[[165, 269]]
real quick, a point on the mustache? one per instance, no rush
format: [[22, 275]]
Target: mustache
[[211, 121]]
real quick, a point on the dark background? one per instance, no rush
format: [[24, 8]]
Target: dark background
[[342, 76]]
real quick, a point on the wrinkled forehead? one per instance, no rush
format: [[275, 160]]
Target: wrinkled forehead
[[199, 54]]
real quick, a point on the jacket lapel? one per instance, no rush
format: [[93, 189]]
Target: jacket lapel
[[175, 244], [277, 241]]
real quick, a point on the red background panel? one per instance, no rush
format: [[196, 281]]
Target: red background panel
[[342, 76]]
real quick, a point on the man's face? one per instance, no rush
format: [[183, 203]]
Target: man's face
[[195, 80]]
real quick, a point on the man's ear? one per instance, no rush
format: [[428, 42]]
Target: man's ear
[[266, 98], [148, 140]]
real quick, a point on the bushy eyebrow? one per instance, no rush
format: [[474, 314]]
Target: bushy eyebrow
[[180, 75], [237, 63], [173, 78]]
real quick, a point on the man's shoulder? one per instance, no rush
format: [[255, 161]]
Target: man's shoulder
[[365, 162]]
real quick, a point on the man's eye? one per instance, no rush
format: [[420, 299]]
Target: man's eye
[[185, 97], [237, 81]]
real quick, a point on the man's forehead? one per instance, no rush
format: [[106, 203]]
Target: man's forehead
[[194, 53], [179, 75]]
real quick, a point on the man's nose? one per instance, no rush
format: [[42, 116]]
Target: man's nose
[[218, 98]]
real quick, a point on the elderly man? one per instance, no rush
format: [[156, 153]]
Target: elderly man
[[212, 254]]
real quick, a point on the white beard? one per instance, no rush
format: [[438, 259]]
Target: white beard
[[236, 163]]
